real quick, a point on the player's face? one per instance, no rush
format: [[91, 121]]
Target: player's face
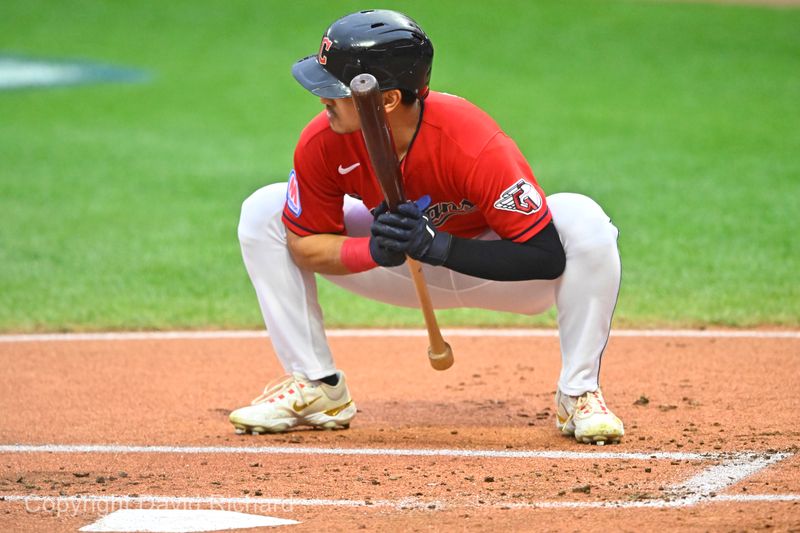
[[342, 114]]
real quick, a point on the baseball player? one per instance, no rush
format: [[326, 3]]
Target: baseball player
[[481, 225]]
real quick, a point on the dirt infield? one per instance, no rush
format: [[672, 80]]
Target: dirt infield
[[90, 426]]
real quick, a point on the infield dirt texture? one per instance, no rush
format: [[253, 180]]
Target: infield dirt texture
[[120, 201]]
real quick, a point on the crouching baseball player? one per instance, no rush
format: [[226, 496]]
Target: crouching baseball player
[[482, 226]]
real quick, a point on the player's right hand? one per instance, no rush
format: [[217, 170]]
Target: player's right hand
[[383, 256], [409, 231]]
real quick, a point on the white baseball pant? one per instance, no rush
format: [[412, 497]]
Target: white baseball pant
[[585, 295]]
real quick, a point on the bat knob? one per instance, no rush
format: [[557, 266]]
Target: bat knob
[[441, 361], [363, 83]]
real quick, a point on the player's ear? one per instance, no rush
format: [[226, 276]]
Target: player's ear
[[391, 100]]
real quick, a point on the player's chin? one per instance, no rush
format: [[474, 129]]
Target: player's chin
[[333, 122], [340, 128]]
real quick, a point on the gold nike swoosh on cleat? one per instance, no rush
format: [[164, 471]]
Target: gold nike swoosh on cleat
[[336, 410], [300, 406]]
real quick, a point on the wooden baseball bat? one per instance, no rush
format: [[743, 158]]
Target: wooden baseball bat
[[378, 138]]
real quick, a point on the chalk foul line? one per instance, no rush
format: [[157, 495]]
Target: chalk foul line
[[92, 502], [409, 452], [703, 487], [719, 477]]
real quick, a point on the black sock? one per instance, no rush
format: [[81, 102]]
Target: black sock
[[331, 380]]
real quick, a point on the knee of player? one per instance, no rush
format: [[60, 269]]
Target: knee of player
[[248, 221], [259, 210], [580, 220]]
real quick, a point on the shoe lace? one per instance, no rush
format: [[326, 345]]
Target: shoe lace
[[275, 387], [590, 401], [593, 402]]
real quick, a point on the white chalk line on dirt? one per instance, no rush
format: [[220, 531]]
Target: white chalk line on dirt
[[367, 333], [656, 503], [718, 477], [700, 488], [408, 452], [89, 502], [729, 472]]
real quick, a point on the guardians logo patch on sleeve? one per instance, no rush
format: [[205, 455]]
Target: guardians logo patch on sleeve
[[293, 195], [522, 197]]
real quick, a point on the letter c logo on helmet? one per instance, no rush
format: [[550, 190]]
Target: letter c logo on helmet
[[387, 44], [324, 46]]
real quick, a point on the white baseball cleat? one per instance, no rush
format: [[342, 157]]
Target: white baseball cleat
[[587, 418], [295, 400]]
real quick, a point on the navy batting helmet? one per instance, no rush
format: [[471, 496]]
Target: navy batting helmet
[[387, 44]]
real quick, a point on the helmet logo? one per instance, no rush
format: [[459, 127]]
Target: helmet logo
[[324, 47]]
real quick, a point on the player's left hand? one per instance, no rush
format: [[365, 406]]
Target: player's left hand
[[409, 231]]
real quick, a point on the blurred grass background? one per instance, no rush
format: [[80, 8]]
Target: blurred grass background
[[120, 202]]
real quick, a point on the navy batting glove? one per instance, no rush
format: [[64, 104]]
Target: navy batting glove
[[385, 257], [409, 231], [382, 208]]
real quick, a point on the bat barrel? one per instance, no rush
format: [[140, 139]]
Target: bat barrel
[[378, 138]]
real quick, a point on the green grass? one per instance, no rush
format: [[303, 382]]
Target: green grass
[[120, 202]]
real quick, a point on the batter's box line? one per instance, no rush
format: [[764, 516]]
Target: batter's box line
[[700, 488], [407, 452], [108, 503], [703, 487]]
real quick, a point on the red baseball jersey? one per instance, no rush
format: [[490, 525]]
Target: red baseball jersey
[[474, 173]]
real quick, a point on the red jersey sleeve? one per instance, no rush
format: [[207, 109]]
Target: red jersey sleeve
[[503, 187], [314, 200]]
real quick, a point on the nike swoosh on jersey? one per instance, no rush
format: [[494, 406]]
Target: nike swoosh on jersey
[[347, 170]]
